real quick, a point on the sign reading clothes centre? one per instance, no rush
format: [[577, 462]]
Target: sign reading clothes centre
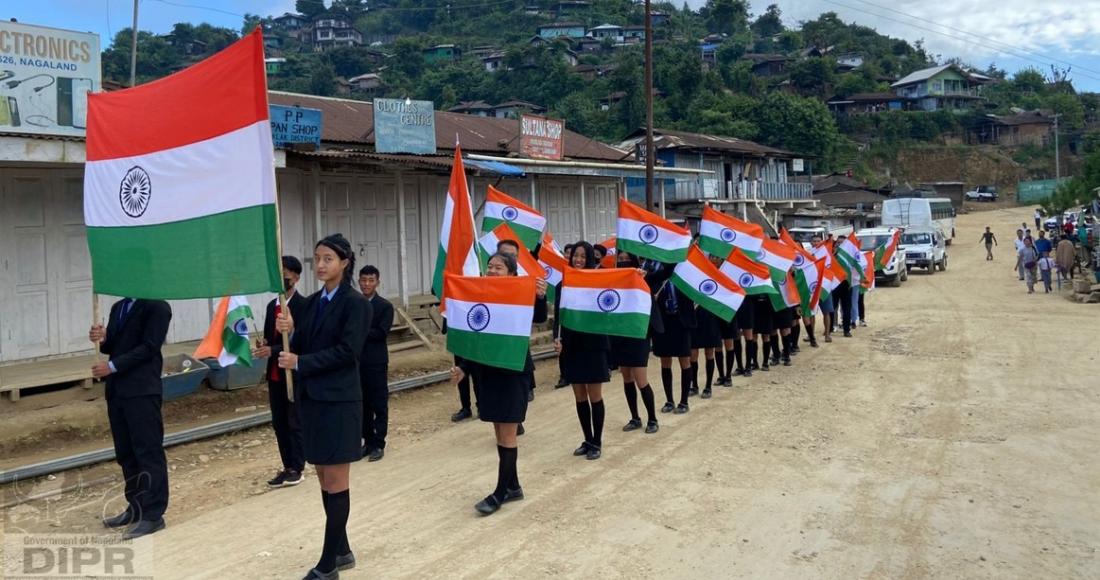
[[404, 126], [295, 125], [45, 77]]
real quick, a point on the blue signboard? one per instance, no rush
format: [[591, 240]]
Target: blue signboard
[[295, 125], [404, 126]]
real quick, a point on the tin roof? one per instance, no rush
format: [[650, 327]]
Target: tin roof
[[669, 139]]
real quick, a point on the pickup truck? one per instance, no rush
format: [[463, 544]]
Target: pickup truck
[[982, 193]]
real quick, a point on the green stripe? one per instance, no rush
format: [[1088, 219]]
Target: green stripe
[[496, 350], [804, 294], [651, 252], [229, 253], [530, 237], [715, 246], [716, 307], [437, 276], [631, 325], [234, 343]]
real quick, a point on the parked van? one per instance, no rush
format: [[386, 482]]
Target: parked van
[[895, 271], [924, 247], [906, 212]]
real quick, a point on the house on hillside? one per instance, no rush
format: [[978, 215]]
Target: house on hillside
[[442, 53], [493, 61], [514, 108], [1029, 128], [658, 18], [768, 65], [569, 29], [274, 65], [594, 71], [368, 84], [848, 62], [862, 103], [334, 29], [612, 31], [475, 108], [614, 98], [945, 87], [632, 34]]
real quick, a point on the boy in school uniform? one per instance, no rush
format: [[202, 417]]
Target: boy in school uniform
[[374, 366]]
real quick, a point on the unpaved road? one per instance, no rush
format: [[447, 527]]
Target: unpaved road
[[953, 438]]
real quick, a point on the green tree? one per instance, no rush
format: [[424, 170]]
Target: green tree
[[728, 16], [813, 75], [322, 81], [156, 58], [797, 124], [1029, 80], [1069, 107], [770, 22], [309, 8]]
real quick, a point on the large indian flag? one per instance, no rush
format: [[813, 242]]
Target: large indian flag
[[615, 301], [489, 318], [701, 281], [179, 183], [524, 220], [720, 233], [457, 252], [227, 339], [851, 257], [752, 276], [648, 235]]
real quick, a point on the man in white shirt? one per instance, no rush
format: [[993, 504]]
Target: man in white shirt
[[1019, 246]]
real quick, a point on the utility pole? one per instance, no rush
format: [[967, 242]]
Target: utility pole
[[1057, 151], [133, 47], [649, 152]]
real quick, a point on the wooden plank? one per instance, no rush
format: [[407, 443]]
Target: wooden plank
[[412, 326], [403, 346]]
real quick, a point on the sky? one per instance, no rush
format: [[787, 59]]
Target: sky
[[1013, 34]]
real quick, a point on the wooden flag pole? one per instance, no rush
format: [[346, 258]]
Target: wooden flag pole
[[96, 318]]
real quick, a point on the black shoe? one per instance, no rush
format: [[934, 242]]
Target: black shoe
[[775, 361], [633, 425], [706, 394], [813, 344], [530, 395], [292, 478], [652, 426], [786, 361], [315, 574], [488, 506], [747, 373], [593, 453], [143, 528], [582, 450], [123, 519], [847, 334], [681, 409], [520, 430], [796, 349], [345, 562], [693, 392], [512, 495], [376, 455], [561, 383], [765, 368], [461, 415], [741, 371], [668, 407]]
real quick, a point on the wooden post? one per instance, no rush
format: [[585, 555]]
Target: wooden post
[[97, 317]]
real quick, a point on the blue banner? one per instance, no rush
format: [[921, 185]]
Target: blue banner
[[295, 125], [404, 126]]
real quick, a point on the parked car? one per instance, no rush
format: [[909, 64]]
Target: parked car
[[895, 271], [982, 193], [924, 248]]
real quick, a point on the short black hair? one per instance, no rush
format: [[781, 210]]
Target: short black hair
[[512, 243], [369, 270], [509, 260], [293, 264], [599, 248]]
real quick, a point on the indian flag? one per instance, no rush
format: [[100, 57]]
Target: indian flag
[[648, 235], [457, 252], [180, 205], [886, 251], [850, 256], [524, 220], [720, 233], [806, 276], [553, 266], [824, 251], [227, 339], [613, 301], [701, 281], [549, 242], [867, 283], [779, 258], [489, 318], [788, 289], [752, 276], [525, 262], [609, 259]]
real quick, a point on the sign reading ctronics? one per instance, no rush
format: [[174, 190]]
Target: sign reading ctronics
[[540, 138], [404, 126], [295, 125], [45, 77]]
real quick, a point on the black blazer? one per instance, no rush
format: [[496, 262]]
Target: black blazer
[[375, 353], [134, 349], [273, 338], [328, 348]]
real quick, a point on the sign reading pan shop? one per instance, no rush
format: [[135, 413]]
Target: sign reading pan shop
[[404, 126], [45, 77], [540, 138]]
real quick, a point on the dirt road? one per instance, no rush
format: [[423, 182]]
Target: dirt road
[[953, 438]]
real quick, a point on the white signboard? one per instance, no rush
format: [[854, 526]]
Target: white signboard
[[797, 165], [45, 77]]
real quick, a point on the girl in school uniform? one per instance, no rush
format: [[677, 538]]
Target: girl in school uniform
[[324, 348], [706, 336], [502, 397], [631, 357], [678, 315], [584, 363]]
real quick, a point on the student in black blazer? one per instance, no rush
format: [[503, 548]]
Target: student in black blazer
[[678, 316], [325, 345], [374, 366], [284, 413], [135, 332]]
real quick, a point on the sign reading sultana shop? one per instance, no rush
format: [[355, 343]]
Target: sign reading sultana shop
[[540, 138], [45, 77]]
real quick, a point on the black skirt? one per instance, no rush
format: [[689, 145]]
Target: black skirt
[[675, 341], [744, 320], [728, 330], [707, 332], [629, 352], [784, 318], [501, 394], [763, 315], [581, 364], [331, 430]]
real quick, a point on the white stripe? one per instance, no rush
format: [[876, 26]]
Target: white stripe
[[553, 277], [631, 300], [666, 240], [712, 229], [523, 217], [225, 173], [738, 274], [695, 277], [448, 217], [508, 319]]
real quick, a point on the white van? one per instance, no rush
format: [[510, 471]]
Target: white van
[[907, 212], [924, 247], [895, 271]]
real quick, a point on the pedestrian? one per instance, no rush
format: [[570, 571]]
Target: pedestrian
[[678, 317], [763, 317], [1019, 268], [136, 329], [706, 336], [585, 365], [631, 355], [325, 346], [989, 240], [781, 335], [842, 297], [1065, 256], [511, 248], [856, 281], [503, 398], [465, 410], [862, 308], [562, 383], [1043, 245], [284, 412], [1038, 219], [374, 365], [1046, 265], [1029, 259], [826, 304]]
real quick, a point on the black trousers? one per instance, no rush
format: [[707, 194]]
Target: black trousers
[[137, 428], [288, 429], [844, 294], [376, 405]]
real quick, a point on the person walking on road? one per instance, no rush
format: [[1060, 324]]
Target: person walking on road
[[1019, 247], [1038, 220], [1046, 265], [1029, 261], [990, 240], [1065, 256]]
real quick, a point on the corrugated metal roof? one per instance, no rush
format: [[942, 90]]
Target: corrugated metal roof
[[668, 139], [924, 74]]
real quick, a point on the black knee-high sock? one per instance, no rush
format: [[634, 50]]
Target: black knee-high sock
[[336, 523], [787, 340], [695, 375], [631, 399], [709, 366], [513, 453], [796, 332], [775, 344], [598, 412], [737, 353], [342, 546], [507, 479], [666, 382], [584, 413], [650, 404], [810, 333], [720, 363], [685, 385], [750, 353]]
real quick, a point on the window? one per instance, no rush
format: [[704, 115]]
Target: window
[[915, 239], [942, 210]]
